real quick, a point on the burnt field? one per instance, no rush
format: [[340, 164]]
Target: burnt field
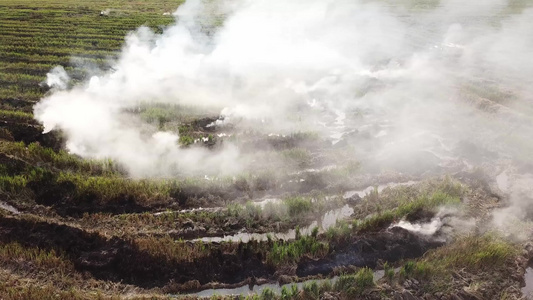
[[257, 150]]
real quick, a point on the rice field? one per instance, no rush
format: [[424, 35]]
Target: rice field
[[36, 36]]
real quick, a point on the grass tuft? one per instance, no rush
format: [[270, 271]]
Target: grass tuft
[[355, 284]]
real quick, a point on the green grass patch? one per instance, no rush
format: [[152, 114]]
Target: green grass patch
[[283, 252], [298, 205], [45, 157], [106, 189], [12, 184], [355, 284], [297, 156], [14, 115], [473, 254]]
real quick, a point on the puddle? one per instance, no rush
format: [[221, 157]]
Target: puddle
[[328, 220], [245, 237], [380, 188], [331, 217], [9, 208], [527, 290], [266, 201], [314, 170]]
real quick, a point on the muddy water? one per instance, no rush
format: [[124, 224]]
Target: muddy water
[[199, 209], [257, 289], [276, 287], [9, 208], [315, 170], [246, 237], [527, 290]]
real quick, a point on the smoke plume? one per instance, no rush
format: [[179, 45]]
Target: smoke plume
[[409, 86]]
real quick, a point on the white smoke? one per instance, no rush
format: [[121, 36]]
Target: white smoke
[[106, 12], [57, 78], [429, 228], [446, 222], [518, 189], [398, 73]]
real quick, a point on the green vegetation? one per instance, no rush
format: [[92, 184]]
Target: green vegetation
[[472, 252], [289, 293], [405, 207], [299, 157], [354, 285], [12, 184], [16, 115], [106, 189], [291, 252], [298, 205], [475, 254], [77, 187], [389, 272], [412, 269], [35, 154], [340, 232], [378, 210], [268, 294], [170, 116], [174, 251], [33, 39], [291, 208], [413, 196]]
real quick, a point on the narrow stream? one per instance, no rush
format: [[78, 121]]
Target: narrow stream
[[276, 287], [9, 208], [257, 289], [183, 211], [527, 290]]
